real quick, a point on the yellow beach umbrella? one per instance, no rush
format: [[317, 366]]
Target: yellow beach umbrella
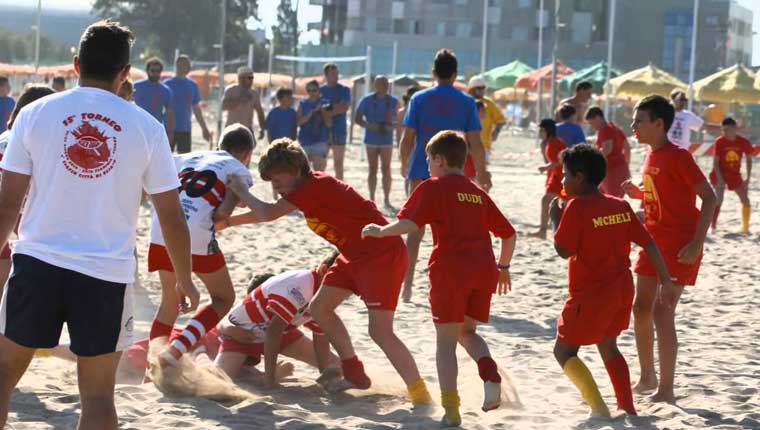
[[644, 81], [735, 84]]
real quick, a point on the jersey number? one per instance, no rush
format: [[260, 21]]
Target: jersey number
[[202, 184]]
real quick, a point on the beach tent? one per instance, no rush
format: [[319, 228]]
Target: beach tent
[[596, 74], [530, 80], [506, 75], [644, 81], [735, 84]]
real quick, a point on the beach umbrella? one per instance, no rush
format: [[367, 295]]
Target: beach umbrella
[[405, 81], [735, 84], [596, 74], [530, 80], [644, 81], [506, 75]]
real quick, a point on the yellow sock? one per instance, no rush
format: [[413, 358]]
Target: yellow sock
[[584, 381], [746, 210], [43, 352], [450, 403], [418, 393]]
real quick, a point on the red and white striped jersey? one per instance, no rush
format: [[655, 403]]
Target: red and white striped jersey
[[286, 295], [204, 177]]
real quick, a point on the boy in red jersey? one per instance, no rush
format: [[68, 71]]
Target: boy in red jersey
[[611, 140], [672, 181], [552, 147], [595, 233], [372, 269], [727, 165], [463, 273]]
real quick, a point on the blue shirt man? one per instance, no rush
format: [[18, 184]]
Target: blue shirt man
[[154, 97], [7, 104], [378, 112], [337, 95], [186, 101], [281, 122], [571, 133]]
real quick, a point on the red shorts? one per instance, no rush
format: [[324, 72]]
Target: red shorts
[[469, 167], [554, 185], [376, 279], [611, 185], [456, 295], [256, 350], [5, 254], [681, 274], [732, 181], [158, 259], [593, 318]]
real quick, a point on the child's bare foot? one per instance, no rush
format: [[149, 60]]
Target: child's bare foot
[[169, 358], [406, 294], [492, 399], [541, 234], [660, 397], [645, 385]]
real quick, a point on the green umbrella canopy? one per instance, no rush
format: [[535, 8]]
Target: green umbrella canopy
[[506, 75], [596, 74]]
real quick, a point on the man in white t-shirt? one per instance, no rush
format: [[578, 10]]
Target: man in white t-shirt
[[205, 199], [684, 122], [270, 314], [85, 156]]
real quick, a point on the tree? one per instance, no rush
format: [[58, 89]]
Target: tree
[[286, 31], [192, 26]]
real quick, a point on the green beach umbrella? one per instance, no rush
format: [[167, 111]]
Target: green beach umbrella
[[596, 74], [506, 75]]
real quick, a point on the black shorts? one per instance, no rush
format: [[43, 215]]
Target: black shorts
[[40, 297], [183, 141]]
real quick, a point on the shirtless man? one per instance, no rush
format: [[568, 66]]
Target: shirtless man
[[579, 101], [241, 100]]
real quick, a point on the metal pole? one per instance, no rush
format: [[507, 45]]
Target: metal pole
[[250, 55], [540, 57], [610, 43], [394, 64], [484, 39], [269, 63], [367, 83], [176, 56], [692, 64], [37, 38], [554, 56], [220, 66]]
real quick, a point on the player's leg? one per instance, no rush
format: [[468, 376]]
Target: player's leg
[[338, 146], [746, 207], [620, 376], [643, 324], [413, 241], [667, 347], [567, 357], [720, 191], [97, 380], [546, 201], [230, 362], [168, 309], [14, 360], [446, 362], [477, 349], [386, 155], [373, 155], [222, 292], [5, 266], [381, 332]]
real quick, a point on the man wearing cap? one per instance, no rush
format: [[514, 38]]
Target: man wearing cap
[[241, 99], [493, 120], [684, 122]]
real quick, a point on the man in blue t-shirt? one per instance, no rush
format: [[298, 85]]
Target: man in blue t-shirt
[[570, 132], [281, 120], [339, 97], [6, 103], [376, 112], [155, 97], [186, 101], [441, 107]]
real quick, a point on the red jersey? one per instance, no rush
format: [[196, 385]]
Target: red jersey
[[461, 216], [670, 211], [554, 145], [598, 230], [730, 153], [612, 133], [337, 213]]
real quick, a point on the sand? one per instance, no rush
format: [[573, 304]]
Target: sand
[[717, 383]]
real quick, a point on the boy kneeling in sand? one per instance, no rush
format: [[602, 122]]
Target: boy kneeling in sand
[[267, 322], [463, 272], [594, 231], [372, 269]]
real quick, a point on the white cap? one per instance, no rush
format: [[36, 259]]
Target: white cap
[[477, 81], [244, 70]]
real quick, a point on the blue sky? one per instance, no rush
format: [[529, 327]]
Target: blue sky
[[308, 13]]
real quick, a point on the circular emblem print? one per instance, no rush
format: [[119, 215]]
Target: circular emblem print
[[88, 152]]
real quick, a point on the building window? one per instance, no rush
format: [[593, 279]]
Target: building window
[[356, 23], [399, 26], [440, 29], [383, 25], [477, 30], [525, 4], [460, 2], [711, 20], [584, 5], [451, 29], [370, 25], [464, 29], [397, 10], [520, 34], [415, 27]]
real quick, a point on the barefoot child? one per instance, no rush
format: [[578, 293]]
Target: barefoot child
[[372, 269], [672, 181], [611, 140], [205, 199], [269, 316], [463, 273], [553, 147], [727, 165], [595, 233]]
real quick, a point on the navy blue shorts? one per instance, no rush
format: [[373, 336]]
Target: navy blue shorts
[[40, 297]]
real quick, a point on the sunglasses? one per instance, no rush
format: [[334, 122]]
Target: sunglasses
[[250, 78], [312, 90]]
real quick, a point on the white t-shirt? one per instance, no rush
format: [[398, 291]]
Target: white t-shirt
[[4, 139], [286, 295], [683, 123], [204, 177], [89, 154]]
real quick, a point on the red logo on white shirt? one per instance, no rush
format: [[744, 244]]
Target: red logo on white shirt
[[88, 152]]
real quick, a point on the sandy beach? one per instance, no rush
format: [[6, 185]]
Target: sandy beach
[[717, 380]]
